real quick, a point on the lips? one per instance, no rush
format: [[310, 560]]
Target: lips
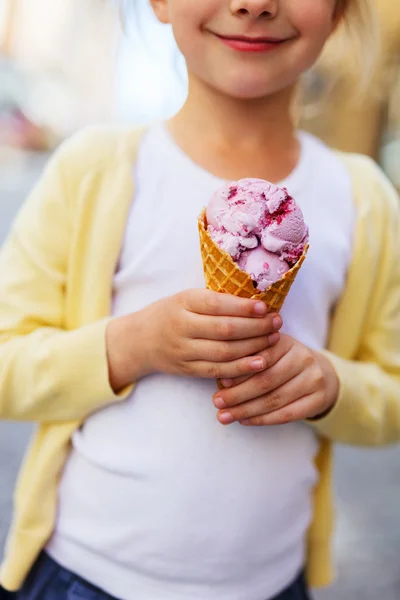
[[251, 44]]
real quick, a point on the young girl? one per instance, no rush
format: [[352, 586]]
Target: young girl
[[141, 493]]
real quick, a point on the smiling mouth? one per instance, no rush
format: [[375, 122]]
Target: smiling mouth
[[251, 44]]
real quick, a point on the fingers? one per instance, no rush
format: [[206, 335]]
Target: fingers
[[233, 328], [293, 390], [207, 302], [244, 387], [221, 352], [282, 370], [301, 409], [216, 370], [229, 383]]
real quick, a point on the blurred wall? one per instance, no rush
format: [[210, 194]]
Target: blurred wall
[[368, 123], [150, 80], [4, 11], [67, 49]]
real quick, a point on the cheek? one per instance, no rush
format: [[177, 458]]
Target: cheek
[[314, 18], [186, 18], [190, 16], [189, 19], [314, 25]]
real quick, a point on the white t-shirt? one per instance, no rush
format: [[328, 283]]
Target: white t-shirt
[[158, 501]]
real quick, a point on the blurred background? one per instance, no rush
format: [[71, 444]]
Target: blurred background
[[65, 64]]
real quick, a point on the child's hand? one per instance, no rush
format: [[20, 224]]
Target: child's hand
[[197, 333], [201, 333], [297, 384]]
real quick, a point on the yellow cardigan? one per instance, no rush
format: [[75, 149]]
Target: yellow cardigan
[[56, 271]]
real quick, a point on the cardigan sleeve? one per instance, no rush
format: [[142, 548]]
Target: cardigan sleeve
[[367, 411], [46, 372]]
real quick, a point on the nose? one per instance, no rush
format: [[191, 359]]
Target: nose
[[255, 8]]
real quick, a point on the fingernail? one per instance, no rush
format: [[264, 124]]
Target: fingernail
[[227, 383], [273, 338], [277, 322], [225, 418], [244, 422], [257, 364], [219, 403], [260, 308]]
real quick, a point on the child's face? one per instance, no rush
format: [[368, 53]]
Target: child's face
[[204, 30]]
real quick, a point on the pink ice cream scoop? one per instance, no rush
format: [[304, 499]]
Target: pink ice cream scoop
[[287, 233], [264, 267], [260, 226]]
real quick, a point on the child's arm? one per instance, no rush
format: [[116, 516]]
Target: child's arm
[[46, 372], [367, 411]]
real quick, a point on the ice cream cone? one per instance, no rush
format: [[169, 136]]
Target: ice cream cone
[[222, 274]]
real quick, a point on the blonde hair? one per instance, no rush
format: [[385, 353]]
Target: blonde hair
[[348, 61], [353, 48]]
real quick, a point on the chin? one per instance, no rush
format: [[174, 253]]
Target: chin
[[253, 82], [249, 89]]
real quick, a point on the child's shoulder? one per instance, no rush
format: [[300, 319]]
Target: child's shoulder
[[328, 156], [97, 147], [371, 186], [370, 183]]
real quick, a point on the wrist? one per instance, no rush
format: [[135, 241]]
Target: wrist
[[332, 384], [126, 351]]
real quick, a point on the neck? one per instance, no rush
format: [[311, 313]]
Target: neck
[[245, 128], [206, 110]]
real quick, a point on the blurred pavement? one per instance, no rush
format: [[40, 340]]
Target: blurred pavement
[[367, 481]]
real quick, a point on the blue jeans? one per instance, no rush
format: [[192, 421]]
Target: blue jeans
[[49, 581]]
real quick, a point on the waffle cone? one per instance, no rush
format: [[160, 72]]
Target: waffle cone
[[222, 274]]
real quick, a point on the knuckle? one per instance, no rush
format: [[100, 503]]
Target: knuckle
[[240, 413], [273, 401], [287, 416], [183, 298], [244, 307], [214, 370], [179, 350], [225, 329], [309, 361], [319, 379], [189, 299], [265, 381], [177, 324], [224, 352], [186, 368], [212, 302]]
